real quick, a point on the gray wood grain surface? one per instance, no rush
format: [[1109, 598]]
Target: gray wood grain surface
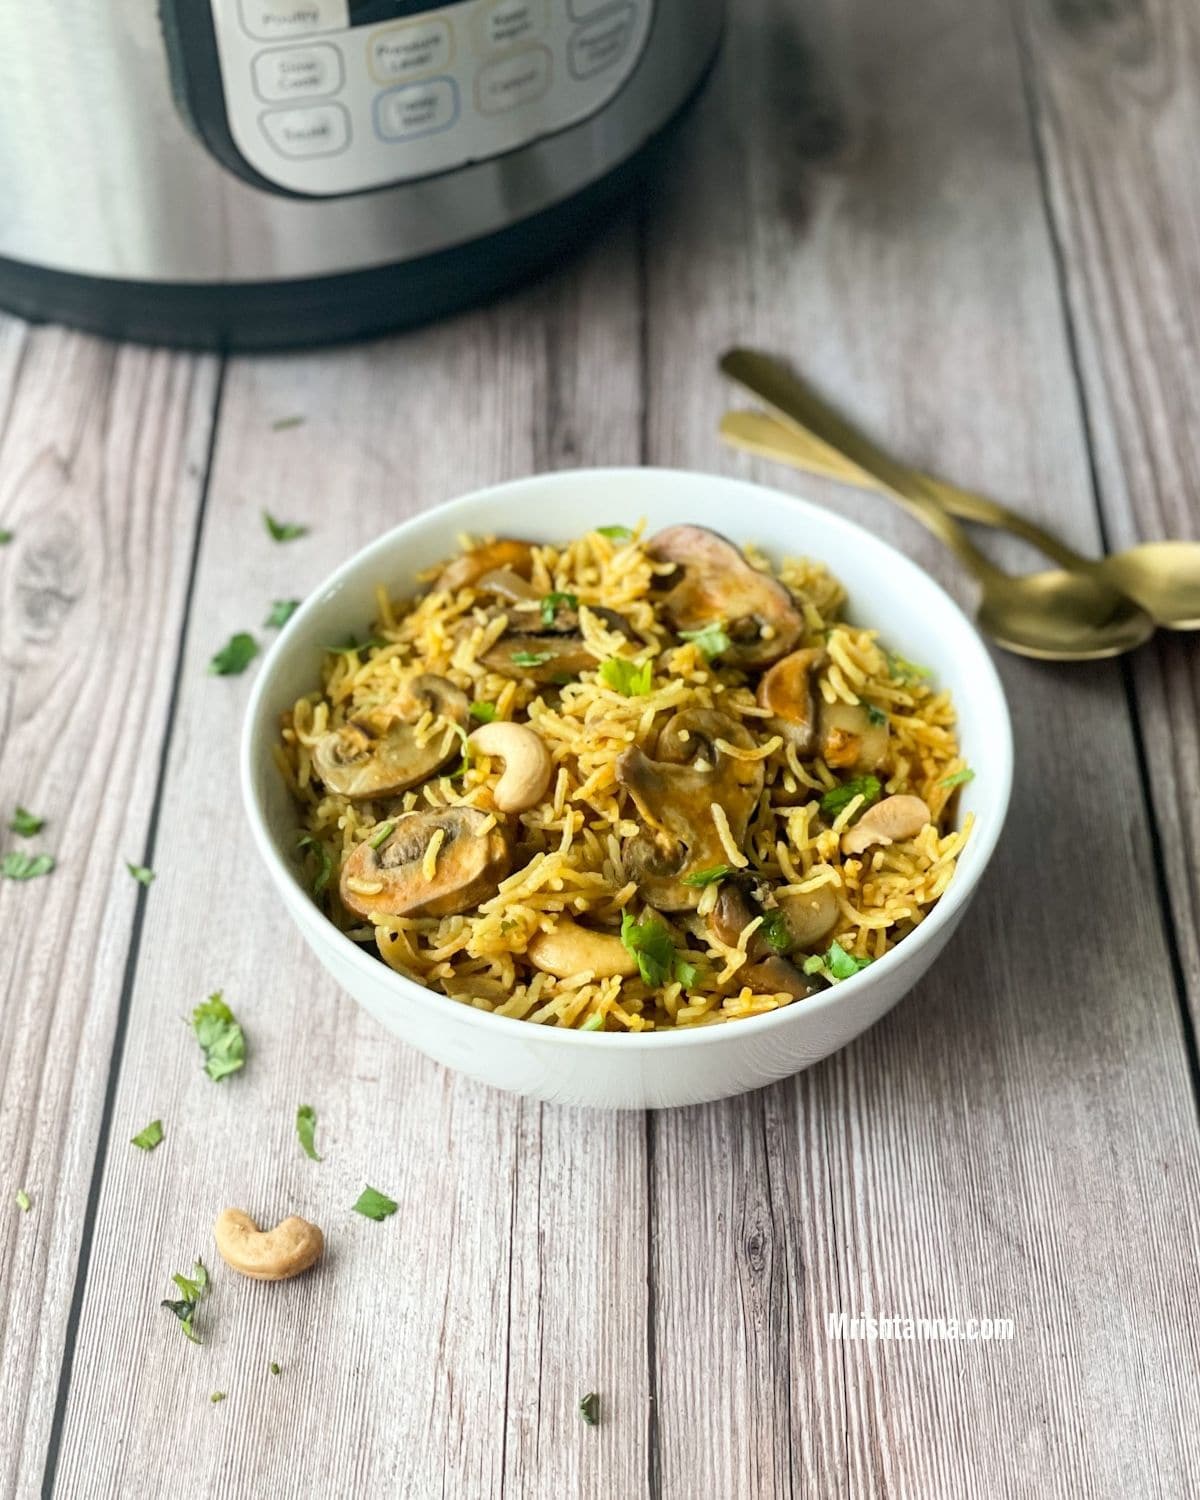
[[976, 227]]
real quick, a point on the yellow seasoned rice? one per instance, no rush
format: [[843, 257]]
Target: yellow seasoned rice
[[571, 844]]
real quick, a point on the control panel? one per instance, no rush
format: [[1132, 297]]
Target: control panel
[[338, 96]]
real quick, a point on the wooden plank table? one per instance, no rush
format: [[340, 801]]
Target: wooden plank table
[[978, 226]]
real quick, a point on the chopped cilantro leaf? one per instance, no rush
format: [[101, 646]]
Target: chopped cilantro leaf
[[650, 944], [373, 1204], [184, 1308], [217, 1396], [281, 424], [875, 715], [626, 677], [616, 533], [282, 611], [593, 1022], [382, 834], [960, 778], [143, 874], [324, 861], [306, 1125], [840, 797], [352, 643], [589, 1408], [18, 866], [902, 670], [836, 964], [710, 640], [687, 973], [26, 823], [483, 713], [235, 656], [24, 1202], [551, 603], [147, 1139], [5, 538], [221, 1038], [708, 877], [530, 658], [776, 932], [275, 1370], [283, 531]]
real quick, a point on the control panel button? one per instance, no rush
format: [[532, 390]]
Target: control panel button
[[275, 20], [297, 72], [510, 23], [408, 51], [600, 44], [584, 10], [321, 130], [511, 81], [416, 109]]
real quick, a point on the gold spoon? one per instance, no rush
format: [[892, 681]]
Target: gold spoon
[[1058, 615], [1163, 577]]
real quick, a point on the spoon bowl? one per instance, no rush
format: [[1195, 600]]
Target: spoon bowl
[[1057, 615], [1164, 578]]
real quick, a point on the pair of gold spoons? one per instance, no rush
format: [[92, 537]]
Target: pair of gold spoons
[[1083, 609]]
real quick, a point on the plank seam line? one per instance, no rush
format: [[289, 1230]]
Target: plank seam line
[[1157, 852], [653, 1456], [133, 953]]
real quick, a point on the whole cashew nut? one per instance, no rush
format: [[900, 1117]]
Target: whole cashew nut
[[527, 765], [889, 822], [568, 949], [267, 1254]]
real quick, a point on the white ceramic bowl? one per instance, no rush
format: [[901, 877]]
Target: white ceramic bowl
[[668, 1067]]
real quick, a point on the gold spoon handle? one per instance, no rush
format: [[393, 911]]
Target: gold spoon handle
[[770, 437], [785, 393]]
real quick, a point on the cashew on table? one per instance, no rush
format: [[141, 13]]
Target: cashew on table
[[267, 1254]]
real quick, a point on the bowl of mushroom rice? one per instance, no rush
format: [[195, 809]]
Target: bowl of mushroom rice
[[616, 808]]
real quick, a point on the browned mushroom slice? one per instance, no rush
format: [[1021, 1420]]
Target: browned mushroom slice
[[535, 651], [468, 569], [675, 795], [507, 583], [810, 917], [539, 658], [776, 976], [380, 754], [390, 879], [787, 690], [718, 584], [732, 914], [848, 737]]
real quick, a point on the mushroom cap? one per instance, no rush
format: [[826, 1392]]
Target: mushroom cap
[[674, 795], [362, 761], [467, 570], [787, 690], [778, 976], [558, 646], [470, 866], [811, 917], [718, 583], [848, 738]]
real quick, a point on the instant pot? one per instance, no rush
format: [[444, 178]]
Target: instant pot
[[255, 173]]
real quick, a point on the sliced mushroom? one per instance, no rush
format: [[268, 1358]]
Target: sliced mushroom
[[379, 755], [718, 584], [527, 763], [788, 691], [732, 914], [891, 821], [675, 794], [849, 739], [569, 949], [811, 917], [469, 867], [534, 651], [776, 976], [507, 583], [468, 569]]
